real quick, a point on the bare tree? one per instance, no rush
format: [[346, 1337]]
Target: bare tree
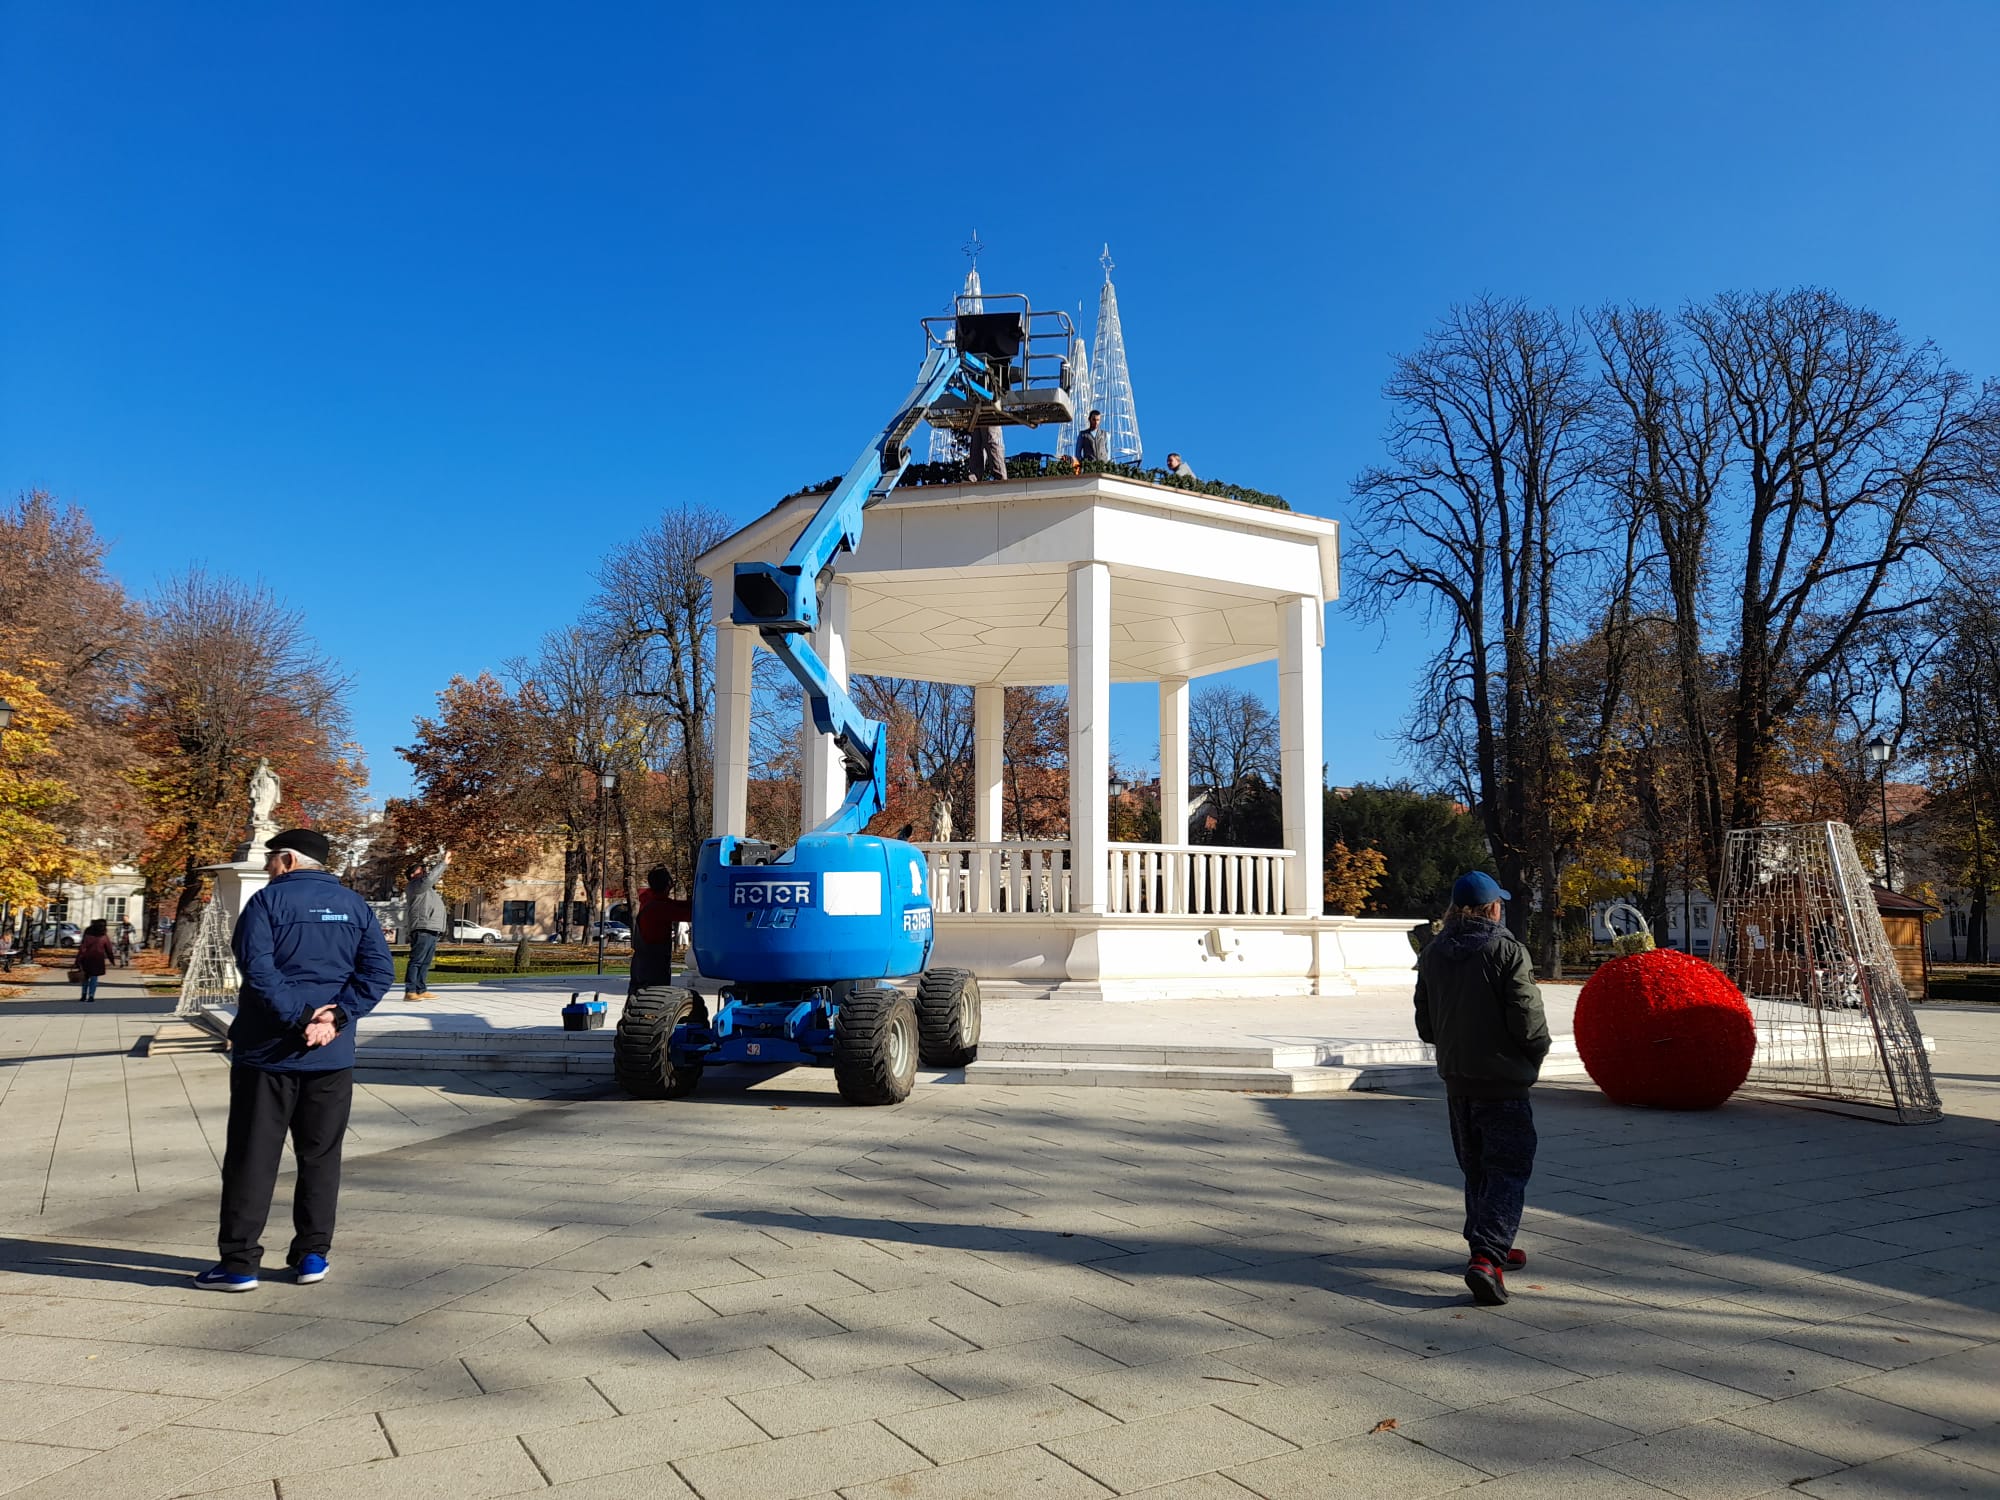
[[1804, 466], [1491, 448], [1233, 750], [654, 613]]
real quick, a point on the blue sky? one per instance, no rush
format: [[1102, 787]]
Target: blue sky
[[412, 311]]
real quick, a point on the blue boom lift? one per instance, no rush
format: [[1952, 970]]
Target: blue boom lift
[[806, 941]]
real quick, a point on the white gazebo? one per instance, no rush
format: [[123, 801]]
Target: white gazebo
[[1085, 582]]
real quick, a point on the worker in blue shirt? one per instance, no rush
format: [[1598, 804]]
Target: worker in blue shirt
[[313, 963]]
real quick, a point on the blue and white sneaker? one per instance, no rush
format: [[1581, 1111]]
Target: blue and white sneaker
[[217, 1279], [312, 1268]]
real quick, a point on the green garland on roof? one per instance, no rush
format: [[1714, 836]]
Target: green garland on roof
[[1050, 466]]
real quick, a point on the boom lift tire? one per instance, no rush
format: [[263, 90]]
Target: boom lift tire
[[875, 1045], [948, 1017], [640, 1056]]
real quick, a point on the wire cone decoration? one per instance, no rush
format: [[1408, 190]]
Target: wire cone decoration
[[211, 977], [1798, 933]]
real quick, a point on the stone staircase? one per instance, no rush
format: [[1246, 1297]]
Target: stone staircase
[[1305, 1068]]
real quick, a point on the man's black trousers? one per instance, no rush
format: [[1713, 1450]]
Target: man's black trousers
[[1495, 1142], [264, 1107]]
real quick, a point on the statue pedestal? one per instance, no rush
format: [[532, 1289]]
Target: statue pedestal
[[235, 884]]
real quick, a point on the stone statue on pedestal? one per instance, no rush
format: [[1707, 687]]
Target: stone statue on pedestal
[[265, 792]]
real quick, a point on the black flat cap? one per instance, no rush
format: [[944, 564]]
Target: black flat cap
[[310, 842]]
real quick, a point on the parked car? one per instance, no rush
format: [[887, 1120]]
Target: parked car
[[472, 932], [616, 932], [58, 935]]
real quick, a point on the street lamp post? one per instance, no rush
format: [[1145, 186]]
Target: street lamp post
[[1878, 752], [6, 715], [606, 780]]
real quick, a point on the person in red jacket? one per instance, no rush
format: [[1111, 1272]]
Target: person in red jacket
[[660, 916], [93, 957]]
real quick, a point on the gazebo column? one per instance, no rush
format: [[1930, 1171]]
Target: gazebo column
[[823, 782], [1301, 753], [735, 652], [1089, 735], [989, 728], [1174, 760]]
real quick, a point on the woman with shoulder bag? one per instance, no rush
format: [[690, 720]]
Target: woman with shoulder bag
[[93, 957]]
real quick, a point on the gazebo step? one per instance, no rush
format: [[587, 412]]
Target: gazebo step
[[465, 1057]]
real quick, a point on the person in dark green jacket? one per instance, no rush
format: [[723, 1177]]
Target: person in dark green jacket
[[1478, 1006]]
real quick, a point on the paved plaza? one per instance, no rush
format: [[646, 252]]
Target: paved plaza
[[540, 1288]]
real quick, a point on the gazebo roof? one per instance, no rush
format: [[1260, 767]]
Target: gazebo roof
[[969, 583]]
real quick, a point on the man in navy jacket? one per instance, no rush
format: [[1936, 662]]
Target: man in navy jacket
[[313, 963]]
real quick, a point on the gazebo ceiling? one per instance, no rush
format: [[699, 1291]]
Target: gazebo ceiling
[[1011, 626], [969, 583]]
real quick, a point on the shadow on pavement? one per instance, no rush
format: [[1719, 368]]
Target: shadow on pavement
[[96, 1262]]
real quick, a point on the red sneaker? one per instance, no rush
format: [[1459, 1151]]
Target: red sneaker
[[1516, 1259], [1486, 1281]]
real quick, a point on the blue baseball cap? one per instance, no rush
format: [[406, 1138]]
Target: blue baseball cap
[[1477, 888]]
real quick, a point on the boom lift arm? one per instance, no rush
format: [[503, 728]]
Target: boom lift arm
[[782, 600]]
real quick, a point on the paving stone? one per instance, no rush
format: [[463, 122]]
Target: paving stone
[[587, 1449], [1504, 1437], [1981, 1449], [871, 1348], [1162, 1449], [1200, 1487], [448, 1424], [1603, 1348], [987, 1372], [1028, 1322], [319, 1337], [841, 1400], [1957, 1387], [298, 1398], [1164, 1337], [329, 1444], [119, 1420], [992, 1424], [672, 1382], [1927, 1474], [26, 1409], [915, 1304], [162, 1462], [1473, 1377], [1767, 1367], [1383, 1466], [1315, 1356], [1845, 1424], [1168, 1385], [1884, 1343], [22, 1463], [1022, 1474], [511, 1361], [1566, 1479], [1652, 1401], [1325, 1411], [789, 1468], [764, 1294], [476, 1471], [448, 1381], [427, 1338], [1714, 1461], [747, 1330]]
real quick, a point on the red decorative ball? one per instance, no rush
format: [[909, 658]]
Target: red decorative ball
[[1665, 1030]]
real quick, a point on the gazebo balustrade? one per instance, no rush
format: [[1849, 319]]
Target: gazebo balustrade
[[1031, 878]]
